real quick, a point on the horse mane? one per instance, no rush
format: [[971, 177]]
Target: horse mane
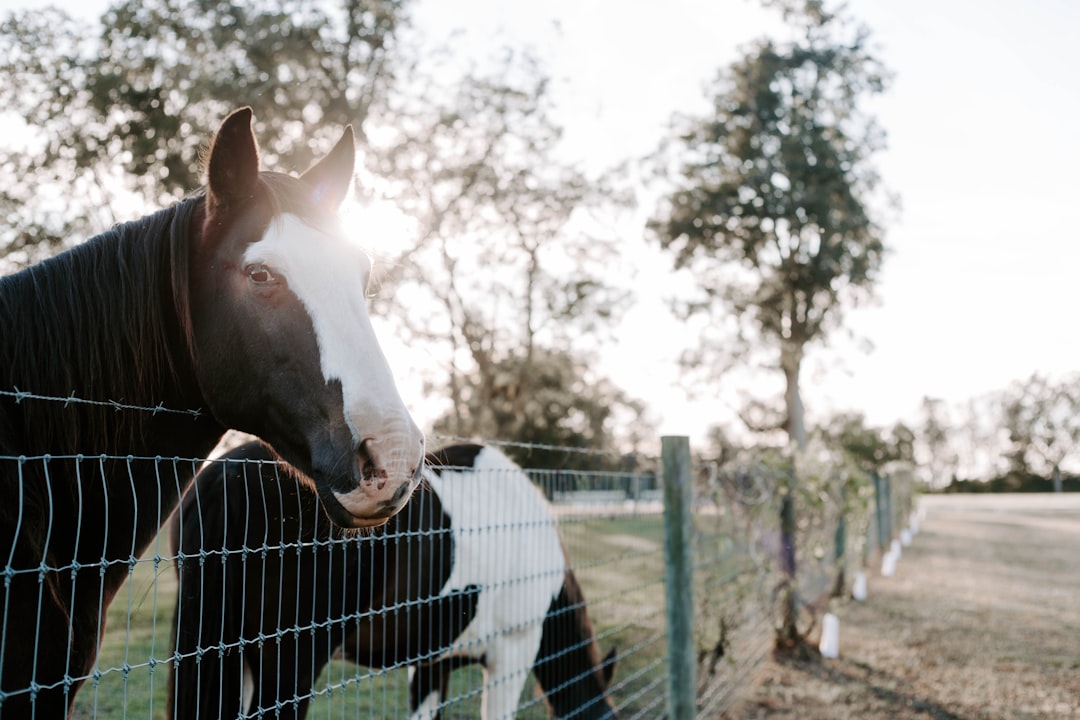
[[107, 320]]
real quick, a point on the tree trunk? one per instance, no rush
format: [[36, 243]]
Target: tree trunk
[[1057, 478], [791, 362], [788, 635]]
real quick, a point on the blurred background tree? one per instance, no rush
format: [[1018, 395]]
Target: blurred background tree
[[567, 405], [870, 448], [1015, 422], [771, 212], [935, 437], [505, 277], [120, 119], [1042, 416], [508, 265]]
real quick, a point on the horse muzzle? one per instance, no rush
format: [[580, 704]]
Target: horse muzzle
[[384, 474]]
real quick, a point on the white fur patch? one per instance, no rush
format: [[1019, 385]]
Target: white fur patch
[[329, 275], [428, 709], [505, 541], [247, 688]]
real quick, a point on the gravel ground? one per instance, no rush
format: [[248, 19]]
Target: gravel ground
[[981, 620]]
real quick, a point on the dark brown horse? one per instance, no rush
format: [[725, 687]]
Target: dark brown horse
[[471, 571], [241, 307]]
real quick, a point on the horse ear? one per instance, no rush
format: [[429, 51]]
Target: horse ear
[[609, 666], [233, 169], [330, 177]]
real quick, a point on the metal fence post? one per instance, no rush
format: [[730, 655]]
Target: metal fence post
[[679, 577]]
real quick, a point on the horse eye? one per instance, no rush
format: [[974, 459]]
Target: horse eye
[[260, 275]]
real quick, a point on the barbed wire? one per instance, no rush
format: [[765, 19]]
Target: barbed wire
[[21, 395], [106, 457]]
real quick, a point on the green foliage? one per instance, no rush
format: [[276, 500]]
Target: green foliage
[[870, 449], [505, 274], [1010, 437], [1042, 418], [551, 399], [132, 107], [1011, 482], [771, 212]]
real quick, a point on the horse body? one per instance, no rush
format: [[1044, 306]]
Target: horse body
[[505, 541], [150, 315], [471, 571]]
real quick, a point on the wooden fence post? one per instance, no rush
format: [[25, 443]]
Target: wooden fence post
[[839, 553], [679, 577], [890, 532], [880, 511]]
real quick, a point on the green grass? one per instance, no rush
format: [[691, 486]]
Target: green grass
[[131, 677], [620, 567]]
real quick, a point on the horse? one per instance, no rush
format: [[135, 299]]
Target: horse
[[127, 357], [471, 571]]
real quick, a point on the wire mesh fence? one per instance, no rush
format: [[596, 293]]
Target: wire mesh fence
[[531, 592], [735, 559]]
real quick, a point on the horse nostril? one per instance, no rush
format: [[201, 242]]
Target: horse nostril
[[369, 470]]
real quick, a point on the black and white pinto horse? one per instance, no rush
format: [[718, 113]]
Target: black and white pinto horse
[[244, 303], [471, 571]]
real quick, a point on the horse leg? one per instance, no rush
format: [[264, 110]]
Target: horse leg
[[247, 688], [43, 646], [279, 679], [506, 667], [427, 689]]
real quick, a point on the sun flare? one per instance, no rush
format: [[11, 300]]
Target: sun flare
[[382, 229]]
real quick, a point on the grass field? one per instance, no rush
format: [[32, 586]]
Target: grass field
[[620, 567]]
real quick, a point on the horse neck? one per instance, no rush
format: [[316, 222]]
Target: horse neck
[[102, 322]]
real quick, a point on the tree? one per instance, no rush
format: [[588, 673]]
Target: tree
[[1015, 420], [1044, 416], [771, 213], [506, 267], [567, 405], [509, 273], [980, 437], [935, 436], [125, 114], [869, 448]]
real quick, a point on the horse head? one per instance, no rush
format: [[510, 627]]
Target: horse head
[[282, 341]]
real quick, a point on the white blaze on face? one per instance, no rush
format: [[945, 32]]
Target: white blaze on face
[[329, 275]]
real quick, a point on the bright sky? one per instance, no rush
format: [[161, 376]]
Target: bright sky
[[980, 287]]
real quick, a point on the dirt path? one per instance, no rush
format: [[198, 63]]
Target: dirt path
[[981, 620]]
